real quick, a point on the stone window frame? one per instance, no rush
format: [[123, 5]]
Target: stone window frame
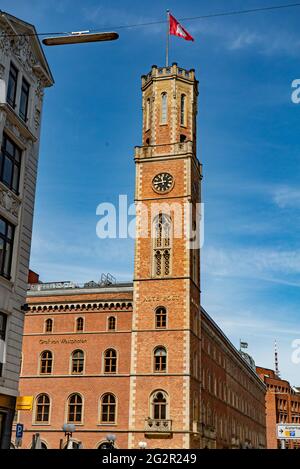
[[78, 359], [183, 109], [35, 413], [15, 160], [8, 239], [154, 359], [67, 411], [164, 108], [46, 325], [46, 360], [108, 328], [162, 317], [151, 404], [76, 324], [100, 408], [12, 66], [116, 358], [24, 83], [158, 248]]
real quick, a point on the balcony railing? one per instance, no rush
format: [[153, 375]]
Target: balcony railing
[[158, 426]]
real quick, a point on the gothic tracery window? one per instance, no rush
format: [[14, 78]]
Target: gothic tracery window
[[162, 245], [159, 403]]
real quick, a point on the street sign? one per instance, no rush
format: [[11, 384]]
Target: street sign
[[19, 430], [24, 403], [288, 431]]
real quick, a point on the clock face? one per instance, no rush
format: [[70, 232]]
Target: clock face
[[163, 182]]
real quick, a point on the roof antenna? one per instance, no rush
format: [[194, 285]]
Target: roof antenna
[[277, 372]]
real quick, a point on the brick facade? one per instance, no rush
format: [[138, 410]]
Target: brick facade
[[158, 388], [282, 406]]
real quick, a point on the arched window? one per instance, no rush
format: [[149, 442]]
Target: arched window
[[77, 362], [160, 360], [162, 245], [108, 408], [159, 404], [148, 114], [42, 410], [110, 361], [111, 323], [75, 408], [182, 109], [79, 324], [164, 108], [49, 325], [160, 318], [46, 362]]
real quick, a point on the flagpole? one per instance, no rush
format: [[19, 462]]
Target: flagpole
[[168, 36]]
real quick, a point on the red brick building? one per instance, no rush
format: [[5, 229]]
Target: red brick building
[[144, 361], [282, 406]]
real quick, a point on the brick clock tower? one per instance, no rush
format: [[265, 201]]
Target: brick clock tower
[[165, 351]]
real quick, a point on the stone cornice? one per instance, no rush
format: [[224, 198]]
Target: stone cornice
[[16, 125]]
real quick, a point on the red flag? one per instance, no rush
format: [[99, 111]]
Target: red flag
[[177, 29]]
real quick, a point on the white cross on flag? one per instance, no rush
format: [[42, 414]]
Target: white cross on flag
[[177, 29]]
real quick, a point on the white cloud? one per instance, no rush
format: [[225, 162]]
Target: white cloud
[[245, 39], [287, 197], [255, 262]]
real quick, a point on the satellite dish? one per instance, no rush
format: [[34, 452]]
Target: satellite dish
[[79, 37]]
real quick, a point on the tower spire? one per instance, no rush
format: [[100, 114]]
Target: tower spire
[[277, 372]]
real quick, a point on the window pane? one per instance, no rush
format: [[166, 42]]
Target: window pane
[[7, 260], [2, 226], [10, 163], [12, 85], [15, 182], [24, 100], [3, 319], [9, 147], [10, 231], [1, 254], [7, 171]]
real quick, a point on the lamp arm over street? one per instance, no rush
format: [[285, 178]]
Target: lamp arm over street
[[79, 37]]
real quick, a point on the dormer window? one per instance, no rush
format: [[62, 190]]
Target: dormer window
[[12, 86], [24, 100]]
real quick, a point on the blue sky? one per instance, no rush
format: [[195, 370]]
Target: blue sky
[[248, 142]]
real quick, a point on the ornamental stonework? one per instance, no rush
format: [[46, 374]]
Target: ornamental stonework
[[23, 51], [9, 202]]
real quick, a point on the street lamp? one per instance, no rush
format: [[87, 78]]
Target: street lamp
[[142, 445], [68, 428], [111, 440], [79, 37]]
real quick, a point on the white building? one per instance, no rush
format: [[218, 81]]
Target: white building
[[24, 73]]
